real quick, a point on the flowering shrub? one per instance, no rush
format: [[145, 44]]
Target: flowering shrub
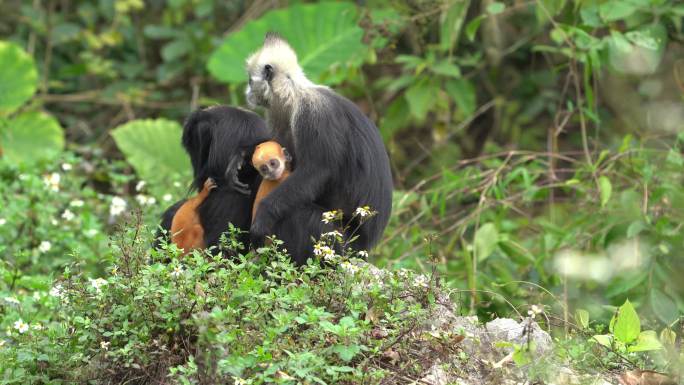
[[257, 319]]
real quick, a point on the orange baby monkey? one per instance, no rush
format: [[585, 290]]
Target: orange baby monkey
[[273, 163], [186, 230]]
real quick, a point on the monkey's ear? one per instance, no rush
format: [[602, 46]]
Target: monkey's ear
[[287, 155]]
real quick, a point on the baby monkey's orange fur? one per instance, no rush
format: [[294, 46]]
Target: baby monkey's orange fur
[[186, 230], [273, 163]]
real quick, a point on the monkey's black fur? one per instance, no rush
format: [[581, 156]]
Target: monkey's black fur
[[340, 163], [218, 139]]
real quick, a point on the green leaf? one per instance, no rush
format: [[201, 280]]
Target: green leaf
[[175, 49], [451, 22], [496, 7], [627, 325], [30, 137], [663, 307], [604, 339], [160, 32], [473, 26], [18, 77], [616, 10], [420, 96], [447, 69], [606, 190], [153, 148], [668, 337], [647, 340], [582, 318], [486, 239], [396, 117], [590, 15], [322, 35], [65, 32], [346, 352], [463, 93]]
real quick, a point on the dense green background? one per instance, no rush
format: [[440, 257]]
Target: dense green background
[[536, 146]]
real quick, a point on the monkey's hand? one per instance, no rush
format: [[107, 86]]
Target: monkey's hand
[[231, 175]]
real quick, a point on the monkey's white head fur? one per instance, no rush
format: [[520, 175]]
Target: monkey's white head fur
[[274, 73]]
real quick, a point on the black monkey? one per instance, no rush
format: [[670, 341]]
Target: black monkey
[[220, 141], [340, 161]]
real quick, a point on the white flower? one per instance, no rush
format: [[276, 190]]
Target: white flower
[[76, 203], [3, 221], [36, 295], [349, 267], [335, 234], [54, 222], [140, 185], [363, 211], [67, 215], [90, 233], [21, 326], [66, 167], [12, 300], [115, 270], [420, 280], [177, 271], [239, 381], [98, 283], [57, 291], [45, 246], [37, 327], [117, 207], [534, 310], [2, 343], [104, 345], [167, 197], [330, 216], [52, 181], [145, 200], [363, 254]]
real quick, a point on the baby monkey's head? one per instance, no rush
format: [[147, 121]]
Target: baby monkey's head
[[271, 160]]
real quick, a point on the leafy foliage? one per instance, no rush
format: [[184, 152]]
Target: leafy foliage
[[18, 77], [29, 136], [536, 148], [312, 324], [322, 34], [154, 149]]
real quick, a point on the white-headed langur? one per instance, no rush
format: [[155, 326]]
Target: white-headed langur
[[339, 159]]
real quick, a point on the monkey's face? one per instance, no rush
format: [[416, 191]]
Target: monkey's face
[[270, 159], [271, 169], [271, 71], [259, 87]]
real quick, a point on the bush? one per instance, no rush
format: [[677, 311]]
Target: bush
[[202, 318]]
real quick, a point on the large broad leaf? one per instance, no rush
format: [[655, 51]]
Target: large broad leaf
[[647, 340], [153, 148], [18, 77], [322, 34], [664, 307], [627, 326], [486, 240], [30, 137]]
